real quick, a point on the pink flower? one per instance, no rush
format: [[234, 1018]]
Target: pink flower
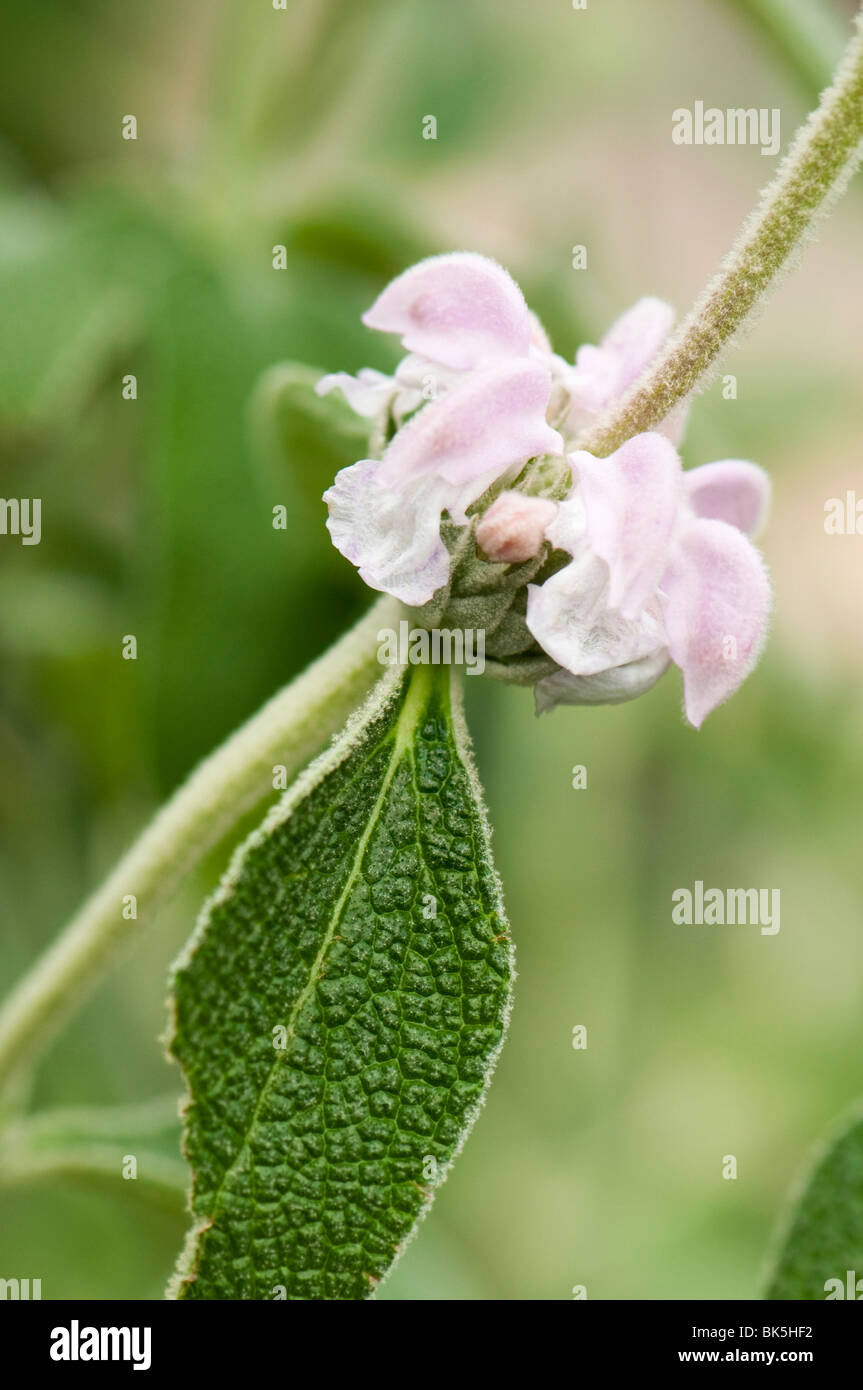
[[660, 571], [471, 333], [453, 313], [385, 514], [457, 312], [601, 375], [462, 310], [469, 405]]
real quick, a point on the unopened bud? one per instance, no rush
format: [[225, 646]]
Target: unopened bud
[[513, 528]]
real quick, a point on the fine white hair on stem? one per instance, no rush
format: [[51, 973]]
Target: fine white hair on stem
[[813, 175]]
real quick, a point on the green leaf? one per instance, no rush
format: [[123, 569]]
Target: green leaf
[[70, 315], [339, 1009], [823, 1239]]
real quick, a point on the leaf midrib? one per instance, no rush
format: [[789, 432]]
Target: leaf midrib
[[416, 695]]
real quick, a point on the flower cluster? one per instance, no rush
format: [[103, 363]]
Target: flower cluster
[[613, 567]]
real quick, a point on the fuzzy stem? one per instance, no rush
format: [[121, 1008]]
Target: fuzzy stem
[[287, 731], [810, 179]]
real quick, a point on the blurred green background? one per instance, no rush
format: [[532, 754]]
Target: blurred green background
[[304, 127]]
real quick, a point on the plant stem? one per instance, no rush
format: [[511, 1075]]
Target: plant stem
[[812, 176], [163, 1181], [93, 1145], [287, 731]]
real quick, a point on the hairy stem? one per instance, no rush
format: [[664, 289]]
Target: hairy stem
[[287, 731], [812, 176]]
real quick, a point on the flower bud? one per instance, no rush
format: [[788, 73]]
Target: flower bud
[[513, 528]]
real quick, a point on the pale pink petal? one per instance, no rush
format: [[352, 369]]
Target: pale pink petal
[[717, 604], [570, 619], [732, 490], [366, 393], [513, 528], [603, 374], [592, 382], [392, 537], [427, 378], [610, 687], [462, 310], [539, 339], [674, 424], [419, 381], [494, 418], [635, 340], [566, 530], [631, 501], [636, 337]]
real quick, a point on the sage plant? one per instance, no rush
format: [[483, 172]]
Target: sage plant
[[339, 1008]]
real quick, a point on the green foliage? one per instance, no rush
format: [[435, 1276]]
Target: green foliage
[[339, 1010], [824, 1239], [292, 422], [155, 258], [100, 1147]]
